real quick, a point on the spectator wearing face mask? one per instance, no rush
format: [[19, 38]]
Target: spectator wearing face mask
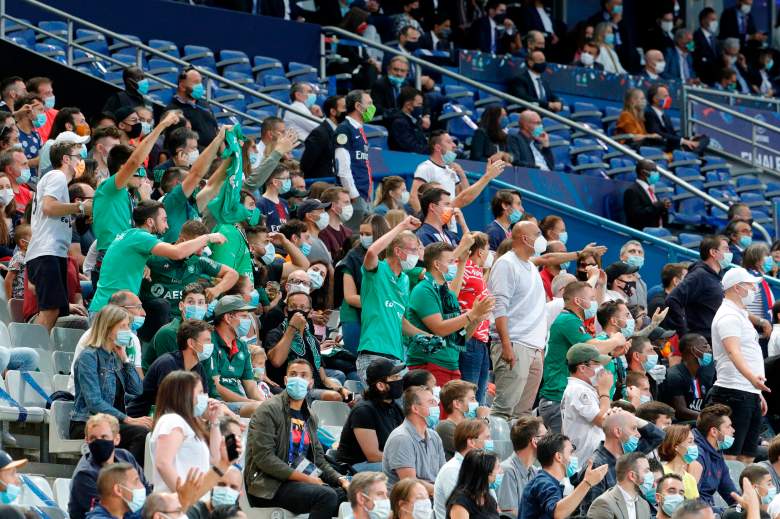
[[604, 37], [440, 168], [368, 496], [136, 87], [655, 65], [317, 160], [30, 116], [188, 98], [507, 209], [643, 208], [679, 58], [15, 167], [588, 57], [678, 451], [688, 382], [533, 144], [635, 482], [621, 282], [660, 36], [304, 99], [120, 492], [371, 421], [386, 90], [530, 84], [102, 437], [408, 127], [706, 52], [223, 496], [493, 32], [69, 125], [740, 236], [335, 236], [657, 121], [737, 22], [714, 433]]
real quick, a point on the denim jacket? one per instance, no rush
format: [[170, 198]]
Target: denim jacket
[[95, 380]]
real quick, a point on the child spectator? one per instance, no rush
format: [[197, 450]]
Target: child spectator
[[14, 280]]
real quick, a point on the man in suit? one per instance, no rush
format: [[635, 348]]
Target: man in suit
[[281, 9], [439, 37], [532, 143], [642, 207], [536, 17], [317, 160], [625, 43], [660, 36], [634, 476], [386, 90], [407, 128], [588, 54], [658, 121], [740, 236], [737, 22], [706, 51], [679, 62], [494, 32], [655, 65], [531, 86]]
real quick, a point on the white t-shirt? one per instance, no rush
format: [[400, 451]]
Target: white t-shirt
[[193, 453], [553, 308], [732, 321], [773, 348], [579, 406], [429, 171], [133, 354], [51, 235]]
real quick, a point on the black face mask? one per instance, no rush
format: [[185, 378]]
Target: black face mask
[[499, 18], [135, 131], [539, 68], [340, 117], [582, 275], [629, 287], [412, 46], [101, 450], [396, 389]]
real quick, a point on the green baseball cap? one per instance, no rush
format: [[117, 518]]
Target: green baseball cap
[[582, 353], [232, 303]]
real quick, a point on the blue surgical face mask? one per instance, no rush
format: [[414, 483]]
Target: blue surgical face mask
[[490, 446], [243, 326], [286, 186], [201, 403], [726, 260], [648, 484], [433, 416], [10, 493], [515, 216], [706, 359], [651, 362], [49, 101], [254, 297], [628, 329], [653, 178], [769, 264], [315, 278], [138, 499], [726, 443], [137, 323], [572, 466], [472, 411], [223, 497], [563, 237], [270, 254], [396, 81], [495, 485], [745, 241], [590, 312], [259, 372], [671, 503], [771, 493], [24, 176], [636, 261], [208, 349], [452, 270], [39, 120], [631, 443], [198, 91], [255, 159], [537, 131], [366, 241], [609, 39], [691, 454], [143, 86], [124, 338], [310, 100], [306, 248], [210, 308], [449, 157], [146, 128], [194, 312], [297, 388]]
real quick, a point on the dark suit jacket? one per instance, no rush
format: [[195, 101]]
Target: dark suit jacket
[[706, 59], [318, 156], [522, 86], [384, 96], [480, 31], [657, 39], [524, 156], [531, 21], [737, 259], [640, 210], [426, 42], [275, 8], [406, 135], [664, 128], [729, 25], [672, 70], [596, 66]]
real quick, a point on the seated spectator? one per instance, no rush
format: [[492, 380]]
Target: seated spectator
[[642, 360], [391, 194], [120, 490], [289, 478], [733, 59], [760, 480], [533, 144], [193, 353], [409, 499], [634, 482], [223, 496], [12, 484], [688, 382], [336, 235], [102, 437], [771, 463], [727, 80], [520, 468], [303, 99], [408, 127], [530, 84], [474, 493], [669, 495], [543, 497], [369, 489], [386, 90], [713, 434], [491, 136], [740, 236], [371, 421], [231, 364], [469, 435], [656, 413], [104, 377], [414, 449], [672, 275], [660, 35], [631, 122], [459, 403], [494, 31], [136, 87], [589, 55], [679, 58], [657, 121], [761, 81], [678, 450], [604, 37]]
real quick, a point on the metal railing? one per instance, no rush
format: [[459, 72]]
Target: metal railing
[[733, 98], [599, 136], [140, 50]]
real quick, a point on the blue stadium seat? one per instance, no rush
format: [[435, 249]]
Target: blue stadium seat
[[234, 61], [22, 42], [655, 154], [588, 113], [16, 30], [660, 232], [553, 127], [127, 60], [589, 146], [274, 80], [750, 184], [199, 56], [301, 72], [453, 116], [114, 77], [89, 63], [719, 179], [560, 151], [611, 115], [754, 200], [689, 174], [377, 136], [460, 95], [54, 27], [684, 159], [93, 40], [712, 163], [117, 45], [168, 47], [260, 114], [689, 211], [772, 189], [50, 51], [592, 165], [622, 169], [163, 69], [690, 240], [265, 66]]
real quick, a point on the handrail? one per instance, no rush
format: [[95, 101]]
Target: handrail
[[734, 113], [149, 50], [733, 95], [546, 113]]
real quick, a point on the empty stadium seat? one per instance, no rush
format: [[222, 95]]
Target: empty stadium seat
[[65, 339], [29, 388], [355, 386], [17, 30], [199, 56], [234, 61], [298, 72], [330, 413], [168, 47], [59, 425], [36, 491], [587, 113], [51, 51], [376, 135], [29, 335], [61, 362], [93, 40], [62, 492]]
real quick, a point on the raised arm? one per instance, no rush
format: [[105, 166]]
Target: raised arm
[[201, 165], [371, 260], [139, 155]]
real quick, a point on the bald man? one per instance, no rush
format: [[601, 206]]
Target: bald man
[[533, 143], [654, 65], [164, 505]]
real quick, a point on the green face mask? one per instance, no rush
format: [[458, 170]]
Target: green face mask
[[368, 113]]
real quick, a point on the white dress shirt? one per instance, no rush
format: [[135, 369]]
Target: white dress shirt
[[299, 123], [546, 20], [630, 502]]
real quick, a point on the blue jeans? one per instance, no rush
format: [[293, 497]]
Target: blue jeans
[[351, 333], [337, 375], [474, 366], [367, 466], [22, 359]]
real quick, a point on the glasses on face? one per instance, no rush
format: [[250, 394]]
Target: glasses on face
[[133, 307], [304, 310]]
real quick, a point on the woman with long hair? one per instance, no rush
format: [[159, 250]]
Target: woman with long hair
[[391, 194], [409, 500], [632, 119], [471, 499], [9, 218], [604, 37], [104, 376], [491, 136], [677, 451], [182, 439]]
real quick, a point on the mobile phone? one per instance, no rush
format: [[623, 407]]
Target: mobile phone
[[231, 444]]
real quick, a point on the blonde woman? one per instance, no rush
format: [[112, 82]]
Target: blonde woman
[[391, 194], [632, 118], [604, 37], [104, 378]]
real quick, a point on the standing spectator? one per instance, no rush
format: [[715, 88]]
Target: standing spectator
[[660, 36], [136, 87], [275, 209], [634, 482], [530, 85], [739, 364], [14, 278], [693, 303], [69, 125], [604, 36], [520, 322], [507, 209], [543, 496], [688, 382], [633, 254], [643, 208], [437, 212], [103, 141], [15, 167], [678, 451], [12, 90], [714, 433], [180, 441], [104, 376], [440, 168], [284, 459], [354, 167], [474, 492], [102, 437], [414, 449], [30, 116], [317, 160], [520, 468], [550, 271], [706, 52], [757, 261], [672, 275], [46, 258], [737, 22], [409, 126], [336, 234], [314, 214], [679, 59], [740, 236], [189, 94], [493, 32], [304, 99]]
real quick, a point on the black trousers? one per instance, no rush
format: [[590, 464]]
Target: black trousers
[[133, 438], [319, 501]]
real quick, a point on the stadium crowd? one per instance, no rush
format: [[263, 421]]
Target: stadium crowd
[[494, 372]]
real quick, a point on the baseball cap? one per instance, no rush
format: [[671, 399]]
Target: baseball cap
[[382, 368], [660, 333], [71, 137], [619, 268], [123, 113], [737, 275], [7, 462], [231, 304], [582, 353], [309, 205], [295, 193]]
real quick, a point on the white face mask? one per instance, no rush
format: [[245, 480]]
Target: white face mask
[[595, 378], [713, 27], [587, 59], [346, 213], [6, 196], [667, 26], [422, 509], [381, 509], [749, 297], [491, 256], [660, 67], [192, 157], [540, 245]]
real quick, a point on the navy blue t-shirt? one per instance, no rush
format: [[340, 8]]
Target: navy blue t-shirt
[[275, 214]]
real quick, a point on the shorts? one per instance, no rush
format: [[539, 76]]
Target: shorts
[[49, 274], [745, 417]]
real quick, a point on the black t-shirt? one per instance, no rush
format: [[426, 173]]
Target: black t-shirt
[[367, 414], [297, 428], [277, 374], [488, 511], [679, 382], [164, 364]]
